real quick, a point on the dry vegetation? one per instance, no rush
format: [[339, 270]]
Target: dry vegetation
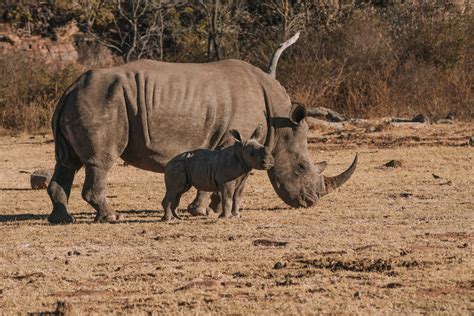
[[361, 60], [392, 240]]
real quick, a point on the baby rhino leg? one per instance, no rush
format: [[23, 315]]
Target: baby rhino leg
[[239, 188], [176, 185], [170, 203], [227, 192]]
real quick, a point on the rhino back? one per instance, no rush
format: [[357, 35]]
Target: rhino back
[[156, 110], [175, 108]]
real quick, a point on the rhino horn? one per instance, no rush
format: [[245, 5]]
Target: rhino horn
[[332, 183]]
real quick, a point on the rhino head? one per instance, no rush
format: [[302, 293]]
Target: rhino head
[[296, 180]]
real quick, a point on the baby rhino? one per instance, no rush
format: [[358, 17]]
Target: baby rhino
[[214, 171]]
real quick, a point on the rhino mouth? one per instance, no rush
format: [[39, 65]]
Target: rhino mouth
[[304, 199]]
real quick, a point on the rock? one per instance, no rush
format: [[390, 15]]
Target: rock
[[420, 118], [63, 308], [471, 141], [393, 164], [39, 179], [450, 116], [269, 243], [393, 285], [279, 265]]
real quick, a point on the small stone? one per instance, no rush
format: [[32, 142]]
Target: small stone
[[231, 238], [66, 262], [357, 295], [69, 253], [393, 285], [471, 141], [63, 308], [279, 265], [39, 179], [420, 118], [394, 164]]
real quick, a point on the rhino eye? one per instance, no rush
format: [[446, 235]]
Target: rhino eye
[[300, 168]]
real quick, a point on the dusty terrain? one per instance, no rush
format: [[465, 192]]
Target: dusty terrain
[[392, 240]]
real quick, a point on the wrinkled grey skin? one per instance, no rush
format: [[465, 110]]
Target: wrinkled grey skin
[[147, 112], [214, 171]]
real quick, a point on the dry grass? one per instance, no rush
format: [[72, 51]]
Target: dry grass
[[391, 241]]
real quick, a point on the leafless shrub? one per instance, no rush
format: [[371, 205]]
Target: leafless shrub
[[29, 91]]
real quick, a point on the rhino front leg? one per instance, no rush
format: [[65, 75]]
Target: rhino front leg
[[59, 190], [237, 195], [227, 192], [199, 207], [94, 193]]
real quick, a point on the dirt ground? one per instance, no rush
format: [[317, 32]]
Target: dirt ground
[[392, 240]]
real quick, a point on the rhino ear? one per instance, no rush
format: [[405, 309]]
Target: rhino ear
[[320, 166], [258, 132], [297, 113], [236, 135]]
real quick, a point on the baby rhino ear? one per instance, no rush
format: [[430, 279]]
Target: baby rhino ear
[[236, 135]]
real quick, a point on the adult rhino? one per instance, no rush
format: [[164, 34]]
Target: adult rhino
[[147, 112]]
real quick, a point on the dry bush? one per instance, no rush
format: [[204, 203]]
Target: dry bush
[[361, 60], [402, 60], [29, 90]]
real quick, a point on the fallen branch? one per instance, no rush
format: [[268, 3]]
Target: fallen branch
[[325, 114]]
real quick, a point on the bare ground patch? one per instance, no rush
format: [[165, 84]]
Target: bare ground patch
[[392, 240]]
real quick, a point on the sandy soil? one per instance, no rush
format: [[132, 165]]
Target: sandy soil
[[392, 240]]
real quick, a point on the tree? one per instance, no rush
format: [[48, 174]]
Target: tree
[[135, 30]]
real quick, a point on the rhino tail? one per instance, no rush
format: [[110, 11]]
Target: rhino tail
[[65, 154]]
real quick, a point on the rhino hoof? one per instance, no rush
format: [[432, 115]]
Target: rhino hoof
[[198, 211], [108, 218], [225, 216], [236, 214], [60, 216], [169, 219]]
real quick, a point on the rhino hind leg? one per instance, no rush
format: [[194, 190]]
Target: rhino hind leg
[[59, 190], [176, 185], [170, 204], [215, 204], [94, 193]]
